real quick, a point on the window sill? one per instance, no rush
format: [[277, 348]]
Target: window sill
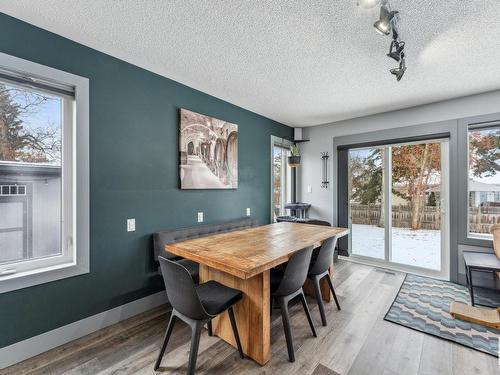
[[476, 241], [484, 237], [39, 276]]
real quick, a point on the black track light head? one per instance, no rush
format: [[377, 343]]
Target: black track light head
[[384, 24], [400, 71], [396, 50]]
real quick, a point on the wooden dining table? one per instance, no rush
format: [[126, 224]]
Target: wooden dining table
[[242, 259]]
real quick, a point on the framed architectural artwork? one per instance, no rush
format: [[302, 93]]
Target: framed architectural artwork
[[208, 152]]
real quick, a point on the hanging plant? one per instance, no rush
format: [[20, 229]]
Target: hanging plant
[[294, 159]]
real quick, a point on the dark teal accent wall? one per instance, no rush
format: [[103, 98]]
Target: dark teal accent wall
[[133, 173]]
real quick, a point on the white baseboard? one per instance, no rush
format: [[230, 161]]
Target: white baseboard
[[33, 346]]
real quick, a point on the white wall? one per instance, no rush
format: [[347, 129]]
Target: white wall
[[321, 139]]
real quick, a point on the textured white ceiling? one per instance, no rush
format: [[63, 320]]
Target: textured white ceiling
[[298, 62]]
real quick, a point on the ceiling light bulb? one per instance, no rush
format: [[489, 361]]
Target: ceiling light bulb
[[367, 4], [383, 25]]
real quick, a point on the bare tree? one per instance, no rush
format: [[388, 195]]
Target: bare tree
[[19, 142]]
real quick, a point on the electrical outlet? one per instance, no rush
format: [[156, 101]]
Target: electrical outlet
[[130, 225], [248, 211], [309, 189], [200, 217]]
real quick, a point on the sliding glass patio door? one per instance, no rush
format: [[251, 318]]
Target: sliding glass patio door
[[398, 197], [366, 185]]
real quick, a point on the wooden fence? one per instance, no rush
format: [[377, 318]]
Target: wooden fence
[[480, 218], [368, 214]]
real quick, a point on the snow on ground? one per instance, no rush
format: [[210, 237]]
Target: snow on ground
[[420, 248]]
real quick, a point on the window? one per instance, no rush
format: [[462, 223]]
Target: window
[[483, 179], [43, 159], [281, 178], [30, 153], [10, 190]]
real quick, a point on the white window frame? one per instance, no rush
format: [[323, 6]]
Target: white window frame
[[477, 127], [74, 258]]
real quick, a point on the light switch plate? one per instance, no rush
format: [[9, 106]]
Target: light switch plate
[[248, 211], [130, 225], [200, 217], [309, 189]]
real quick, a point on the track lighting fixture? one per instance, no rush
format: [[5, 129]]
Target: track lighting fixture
[[396, 52], [400, 71], [387, 22], [384, 24]]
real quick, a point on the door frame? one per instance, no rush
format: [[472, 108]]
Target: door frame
[[444, 272], [434, 130], [281, 142]]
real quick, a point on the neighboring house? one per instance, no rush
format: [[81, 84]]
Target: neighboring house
[[31, 212], [431, 188], [480, 192]]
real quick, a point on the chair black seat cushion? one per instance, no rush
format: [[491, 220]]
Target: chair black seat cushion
[[192, 267], [216, 297]]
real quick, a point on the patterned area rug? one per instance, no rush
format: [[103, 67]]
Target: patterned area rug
[[423, 304]]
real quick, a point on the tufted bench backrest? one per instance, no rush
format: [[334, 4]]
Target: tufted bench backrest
[[160, 239]]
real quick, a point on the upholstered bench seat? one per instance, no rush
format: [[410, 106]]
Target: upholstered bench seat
[[163, 238]]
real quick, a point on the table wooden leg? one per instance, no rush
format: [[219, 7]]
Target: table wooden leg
[[251, 313]]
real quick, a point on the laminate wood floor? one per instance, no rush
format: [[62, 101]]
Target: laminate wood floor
[[357, 341]]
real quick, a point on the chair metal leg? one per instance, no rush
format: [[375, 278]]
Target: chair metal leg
[[209, 327], [308, 314], [471, 288], [235, 331], [319, 299], [165, 340], [286, 327], [333, 291], [195, 343]]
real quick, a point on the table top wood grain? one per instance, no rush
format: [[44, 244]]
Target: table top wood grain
[[246, 253]]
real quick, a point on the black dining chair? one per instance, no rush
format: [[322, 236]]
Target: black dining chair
[[318, 269], [318, 222], [196, 305], [286, 285], [192, 267]]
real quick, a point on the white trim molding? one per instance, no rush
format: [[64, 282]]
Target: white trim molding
[[22, 350]]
